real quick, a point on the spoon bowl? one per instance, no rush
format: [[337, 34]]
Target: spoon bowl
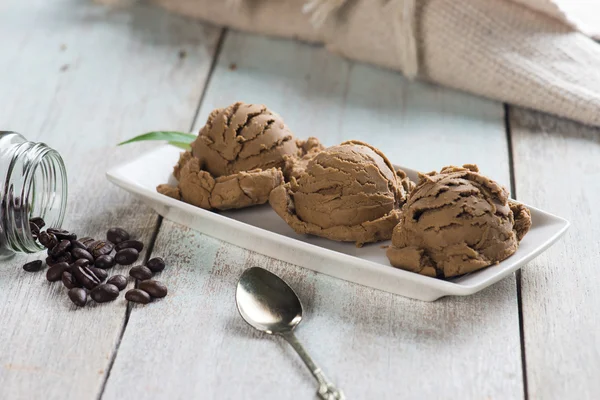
[[266, 302]]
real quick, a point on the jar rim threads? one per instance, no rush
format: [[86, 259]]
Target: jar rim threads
[[35, 186]]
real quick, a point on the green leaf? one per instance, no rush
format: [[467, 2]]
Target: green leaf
[[175, 138], [181, 145]]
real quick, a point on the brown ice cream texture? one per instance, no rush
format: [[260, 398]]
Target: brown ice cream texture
[[349, 192], [244, 137], [235, 161], [455, 222], [244, 189]]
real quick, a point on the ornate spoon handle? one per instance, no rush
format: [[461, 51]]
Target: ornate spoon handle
[[327, 390]]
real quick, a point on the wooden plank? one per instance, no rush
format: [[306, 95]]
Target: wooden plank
[[556, 168], [82, 78], [373, 344]]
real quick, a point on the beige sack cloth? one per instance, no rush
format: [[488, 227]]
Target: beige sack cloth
[[529, 56]]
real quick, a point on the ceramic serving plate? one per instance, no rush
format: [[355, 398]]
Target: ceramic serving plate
[[260, 229]]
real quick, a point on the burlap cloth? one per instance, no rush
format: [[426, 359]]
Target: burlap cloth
[[531, 53]]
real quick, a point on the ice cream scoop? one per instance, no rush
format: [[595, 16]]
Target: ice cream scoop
[[349, 192], [237, 158], [244, 137], [455, 222]]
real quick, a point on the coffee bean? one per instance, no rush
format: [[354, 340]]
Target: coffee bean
[[100, 273], [100, 247], [33, 266], [52, 242], [156, 264], [140, 272], [63, 258], [85, 275], [117, 235], [105, 292], [38, 221], [126, 256], [138, 296], [118, 280], [78, 296], [47, 240], [54, 273], [78, 253], [130, 244], [62, 234], [60, 248], [76, 244], [86, 240], [82, 262], [69, 280], [106, 261], [52, 261], [154, 288], [35, 230]]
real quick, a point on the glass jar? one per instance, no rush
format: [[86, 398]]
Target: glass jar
[[34, 184]]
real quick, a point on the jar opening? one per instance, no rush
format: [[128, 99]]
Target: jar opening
[[35, 187]]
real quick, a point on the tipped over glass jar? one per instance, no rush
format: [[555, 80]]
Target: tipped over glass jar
[[33, 186]]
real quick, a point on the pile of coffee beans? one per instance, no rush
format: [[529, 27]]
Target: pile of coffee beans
[[81, 264]]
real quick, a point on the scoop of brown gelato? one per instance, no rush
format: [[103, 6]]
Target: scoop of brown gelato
[[457, 221], [348, 192], [244, 137], [234, 160]]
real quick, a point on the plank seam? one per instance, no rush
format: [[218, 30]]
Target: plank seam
[[128, 310], [213, 65], [211, 70], [509, 142], [513, 190]]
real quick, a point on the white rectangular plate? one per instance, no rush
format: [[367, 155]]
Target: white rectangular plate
[[260, 229]]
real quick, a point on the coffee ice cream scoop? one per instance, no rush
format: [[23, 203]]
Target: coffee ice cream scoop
[[457, 221], [244, 137], [237, 158], [349, 192]]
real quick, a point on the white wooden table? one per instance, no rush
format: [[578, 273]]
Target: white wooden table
[[83, 78]]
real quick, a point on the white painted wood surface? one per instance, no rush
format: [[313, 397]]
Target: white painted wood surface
[[373, 344], [82, 78], [556, 168]]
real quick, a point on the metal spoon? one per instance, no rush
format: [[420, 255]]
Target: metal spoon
[[268, 304]]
